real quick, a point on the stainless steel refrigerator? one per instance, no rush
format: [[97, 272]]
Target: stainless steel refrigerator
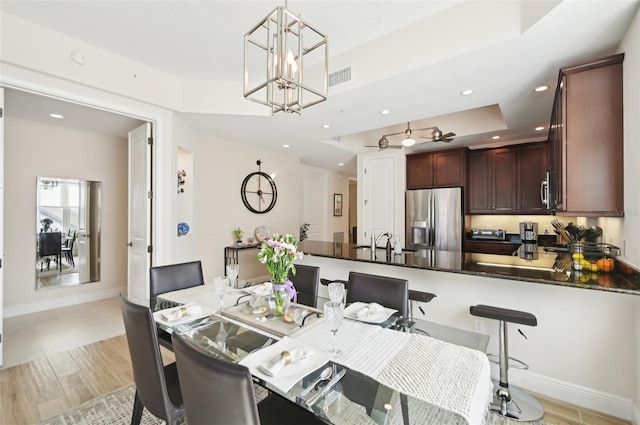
[[434, 219]]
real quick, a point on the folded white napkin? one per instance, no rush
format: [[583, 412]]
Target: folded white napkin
[[176, 313], [261, 290], [275, 365], [369, 310]]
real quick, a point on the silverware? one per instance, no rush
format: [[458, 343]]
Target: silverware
[[324, 375], [313, 400]]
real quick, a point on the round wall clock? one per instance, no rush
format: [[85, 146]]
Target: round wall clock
[[258, 191]]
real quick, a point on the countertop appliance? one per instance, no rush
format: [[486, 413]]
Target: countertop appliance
[[488, 234], [434, 219], [529, 232]]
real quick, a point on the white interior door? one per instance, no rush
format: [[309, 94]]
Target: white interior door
[[378, 196], [1, 214], [139, 212], [314, 210]]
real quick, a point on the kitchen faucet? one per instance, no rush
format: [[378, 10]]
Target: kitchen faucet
[[374, 241]]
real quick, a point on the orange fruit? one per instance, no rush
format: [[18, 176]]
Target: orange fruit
[[605, 264]]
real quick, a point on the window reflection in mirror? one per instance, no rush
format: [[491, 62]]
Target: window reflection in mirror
[[67, 232]]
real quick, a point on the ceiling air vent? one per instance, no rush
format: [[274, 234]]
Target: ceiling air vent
[[340, 76]]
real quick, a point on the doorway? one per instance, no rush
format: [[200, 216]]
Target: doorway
[[68, 147]]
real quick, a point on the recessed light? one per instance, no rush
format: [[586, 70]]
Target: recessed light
[[385, 112], [539, 128], [541, 88], [326, 125], [495, 137], [340, 164], [58, 116], [466, 92], [286, 146]]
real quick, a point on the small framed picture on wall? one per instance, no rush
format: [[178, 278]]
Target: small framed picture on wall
[[337, 204]]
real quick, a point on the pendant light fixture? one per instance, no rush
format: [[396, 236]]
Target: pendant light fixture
[[408, 140], [285, 63]]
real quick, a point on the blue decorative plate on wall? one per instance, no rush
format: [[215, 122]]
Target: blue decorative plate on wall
[[183, 229]]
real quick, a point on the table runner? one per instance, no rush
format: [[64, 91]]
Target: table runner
[[453, 382], [188, 294], [365, 348]]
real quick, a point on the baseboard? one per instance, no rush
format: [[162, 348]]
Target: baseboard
[[34, 307], [567, 392]]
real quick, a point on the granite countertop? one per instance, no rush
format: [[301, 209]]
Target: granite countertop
[[538, 267]]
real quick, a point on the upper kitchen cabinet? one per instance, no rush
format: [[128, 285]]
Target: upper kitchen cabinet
[[492, 181], [427, 170], [586, 137], [531, 171]]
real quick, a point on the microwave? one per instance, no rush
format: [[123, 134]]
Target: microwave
[[489, 234]]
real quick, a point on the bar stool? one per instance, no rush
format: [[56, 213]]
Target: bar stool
[[511, 402]]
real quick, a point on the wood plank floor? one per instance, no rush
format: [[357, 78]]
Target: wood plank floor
[[47, 386]]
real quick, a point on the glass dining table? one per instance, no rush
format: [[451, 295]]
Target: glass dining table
[[370, 389]]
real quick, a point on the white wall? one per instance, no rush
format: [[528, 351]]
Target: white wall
[[336, 183], [220, 167], [631, 69], [34, 149], [630, 226]]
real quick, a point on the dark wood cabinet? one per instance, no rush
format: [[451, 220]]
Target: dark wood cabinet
[[427, 170], [531, 171], [586, 139], [492, 181]]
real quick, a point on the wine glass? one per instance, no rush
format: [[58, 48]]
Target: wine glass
[[336, 292], [232, 273], [221, 284], [333, 314]]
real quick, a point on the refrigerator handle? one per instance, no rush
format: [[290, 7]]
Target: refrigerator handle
[[432, 236]]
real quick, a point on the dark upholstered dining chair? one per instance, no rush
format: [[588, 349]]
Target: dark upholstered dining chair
[[50, 245], [389, 292], [306, 282], [174, 276], [157, 386], [169, 278], [220, 392]]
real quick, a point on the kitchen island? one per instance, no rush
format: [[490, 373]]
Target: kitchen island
[[583, 350], [547, 267]]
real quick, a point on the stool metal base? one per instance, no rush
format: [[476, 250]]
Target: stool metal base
[[519, 405]]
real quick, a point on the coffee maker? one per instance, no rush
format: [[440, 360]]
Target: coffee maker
[[529, 236], [529, 232]]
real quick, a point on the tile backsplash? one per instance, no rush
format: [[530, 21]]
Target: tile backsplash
[[611, 226], [511, 223]]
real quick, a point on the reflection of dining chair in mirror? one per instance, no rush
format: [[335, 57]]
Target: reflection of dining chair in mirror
[[50, 245], [75, 206], [67, 249]]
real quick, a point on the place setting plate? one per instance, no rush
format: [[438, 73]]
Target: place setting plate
[[351, 312]]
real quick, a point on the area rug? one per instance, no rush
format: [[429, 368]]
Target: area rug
[[116, 407]]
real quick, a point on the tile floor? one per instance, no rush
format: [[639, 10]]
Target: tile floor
[[37, 335]]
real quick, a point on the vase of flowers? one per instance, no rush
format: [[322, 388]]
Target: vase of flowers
[[279, 252]]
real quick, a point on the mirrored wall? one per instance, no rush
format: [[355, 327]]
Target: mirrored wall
[[67, 232]]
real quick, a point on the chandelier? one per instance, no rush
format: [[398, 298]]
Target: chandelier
[[285, 63]]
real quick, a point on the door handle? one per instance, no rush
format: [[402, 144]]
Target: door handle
[[130, 244]]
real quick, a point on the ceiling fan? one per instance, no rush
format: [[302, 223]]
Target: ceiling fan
[[383, 143], [436, 136]]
